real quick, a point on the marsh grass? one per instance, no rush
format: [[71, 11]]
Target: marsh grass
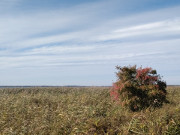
[[81, 111]]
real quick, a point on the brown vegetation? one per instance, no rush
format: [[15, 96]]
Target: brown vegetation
[[82, 111]]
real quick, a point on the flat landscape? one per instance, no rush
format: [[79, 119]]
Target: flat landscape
[[82, 111]]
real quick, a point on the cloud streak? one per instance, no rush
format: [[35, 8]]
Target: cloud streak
[[163, 28]]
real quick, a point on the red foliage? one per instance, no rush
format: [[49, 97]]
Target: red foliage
[[114, 92], [145, 76]]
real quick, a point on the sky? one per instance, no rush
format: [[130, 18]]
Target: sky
[[79, 42]]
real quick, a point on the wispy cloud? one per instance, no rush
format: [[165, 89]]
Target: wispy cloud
[[167, 27]]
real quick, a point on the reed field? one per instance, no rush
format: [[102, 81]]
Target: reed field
[[82, 111]]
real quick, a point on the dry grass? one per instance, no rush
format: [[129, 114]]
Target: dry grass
[[82, 111]]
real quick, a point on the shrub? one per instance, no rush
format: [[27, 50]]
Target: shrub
[[138, 88]]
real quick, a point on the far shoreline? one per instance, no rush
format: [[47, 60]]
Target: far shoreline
[[31, 86]]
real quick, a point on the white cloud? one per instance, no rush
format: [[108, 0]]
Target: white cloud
[[166, 27]]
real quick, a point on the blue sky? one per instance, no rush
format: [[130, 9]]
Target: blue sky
[[79, 42]]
